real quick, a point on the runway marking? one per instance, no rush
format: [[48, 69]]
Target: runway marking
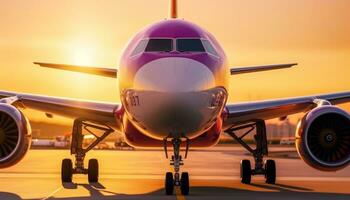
[[52, 193], [179, 196]]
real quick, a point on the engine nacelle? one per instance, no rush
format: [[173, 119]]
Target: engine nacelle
[[323, 138], [15, 135]]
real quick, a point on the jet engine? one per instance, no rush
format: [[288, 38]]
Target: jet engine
[[15, 135], [323, 138]]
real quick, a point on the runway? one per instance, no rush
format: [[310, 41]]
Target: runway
[[214, 174]]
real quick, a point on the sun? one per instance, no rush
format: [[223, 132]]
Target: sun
[[83, 56], [82, 52]]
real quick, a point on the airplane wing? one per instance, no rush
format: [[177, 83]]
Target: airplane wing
[[106, 72], [251, 69], [72, 108], [240, 113]]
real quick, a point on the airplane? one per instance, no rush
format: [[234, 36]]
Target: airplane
[[173, 82]]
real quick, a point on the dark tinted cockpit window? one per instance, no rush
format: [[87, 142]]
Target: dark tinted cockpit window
[[189, 45], [159, 45]]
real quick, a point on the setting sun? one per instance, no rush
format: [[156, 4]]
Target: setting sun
[[82, 54]]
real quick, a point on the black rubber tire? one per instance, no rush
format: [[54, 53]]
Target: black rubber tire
[[246, 171], [93, 171], [169, 183], [270, 171], [66, 170], [185, 183]]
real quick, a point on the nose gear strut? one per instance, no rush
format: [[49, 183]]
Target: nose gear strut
[[175, 180]]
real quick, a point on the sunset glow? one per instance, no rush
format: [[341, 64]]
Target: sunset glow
[[82, 56], [313, 33], [174, 99]]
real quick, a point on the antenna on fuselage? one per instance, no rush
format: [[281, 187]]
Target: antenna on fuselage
[[173, 9]]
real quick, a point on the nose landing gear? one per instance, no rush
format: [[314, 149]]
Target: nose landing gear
[[174, 179]]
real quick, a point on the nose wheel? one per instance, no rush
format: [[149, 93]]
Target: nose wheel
[[169, 183], [173, 180], [185, 183]]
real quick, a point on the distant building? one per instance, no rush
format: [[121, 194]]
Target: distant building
[[275, 131]]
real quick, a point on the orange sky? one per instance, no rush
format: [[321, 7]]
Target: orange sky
[[314, 33]]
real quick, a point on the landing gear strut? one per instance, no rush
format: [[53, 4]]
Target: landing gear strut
[[267, 167], [78, 150], [174, 179]]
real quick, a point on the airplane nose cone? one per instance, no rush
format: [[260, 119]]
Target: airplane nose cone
[[174, 75]]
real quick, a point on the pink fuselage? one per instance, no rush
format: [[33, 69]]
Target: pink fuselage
[[173, 94]]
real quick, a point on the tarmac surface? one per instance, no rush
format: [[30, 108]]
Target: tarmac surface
[[214, 174]]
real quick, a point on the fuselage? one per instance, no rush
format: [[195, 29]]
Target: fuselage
[[173, 80]]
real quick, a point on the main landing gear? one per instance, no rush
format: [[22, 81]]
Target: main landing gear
[[267, 167], [173, 180], [77, 149]]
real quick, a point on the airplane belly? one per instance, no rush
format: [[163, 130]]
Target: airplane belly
[[187, 114]]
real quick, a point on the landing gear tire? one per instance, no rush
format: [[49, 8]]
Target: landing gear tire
[[270, 171], [246, 172], [185, 183], [66, 170], [169, 183], [93, 171]]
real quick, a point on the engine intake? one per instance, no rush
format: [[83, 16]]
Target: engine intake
[[15, 135], [323, 138]]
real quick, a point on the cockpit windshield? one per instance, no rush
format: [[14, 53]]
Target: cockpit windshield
[[159, 45], [185, 45], [189, 45]]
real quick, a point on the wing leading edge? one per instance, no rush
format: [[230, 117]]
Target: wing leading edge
[[106, 72], [71, 108], [240, 113], [251, 69]]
